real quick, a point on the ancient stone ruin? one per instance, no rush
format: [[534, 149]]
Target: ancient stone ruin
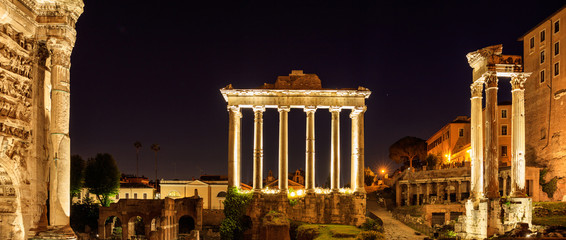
[[486, 212], [304, 91], [36, 40]]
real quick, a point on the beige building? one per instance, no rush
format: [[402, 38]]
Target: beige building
[[452, 142], [127, 191], [545, 94], [212, 192]]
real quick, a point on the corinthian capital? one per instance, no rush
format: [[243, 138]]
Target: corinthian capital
[[518, 80], [490, 79], [477, 89], [60, 53]]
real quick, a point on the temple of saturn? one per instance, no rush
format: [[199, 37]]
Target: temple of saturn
[[486, 212], [303, 91]]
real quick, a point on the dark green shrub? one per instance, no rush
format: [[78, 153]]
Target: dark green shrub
[[84, 214], [370, 235], [236, 222]]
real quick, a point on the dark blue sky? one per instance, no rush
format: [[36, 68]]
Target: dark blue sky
[[151, 71]]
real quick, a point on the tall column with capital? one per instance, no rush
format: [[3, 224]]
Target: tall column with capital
[[491, 136], [234, 147], [60, 167], [518, 135], [283, 148], [335, 149], [258, 148], [309, 161], [477, 141], [357, 161]]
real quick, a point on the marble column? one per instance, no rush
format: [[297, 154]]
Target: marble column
[[518, 135], [309, 168], [408, 194], [357, 161], [234, 146], [427, 194], [283, 149], [60, 166], [418, 194], [476, 142], [258, 148], [335, 149], [458, 191], [505, 186], [491, 136]]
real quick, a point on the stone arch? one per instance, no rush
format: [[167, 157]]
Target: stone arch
[[186, 224], [11, 221], [136, 227], [113, 227]]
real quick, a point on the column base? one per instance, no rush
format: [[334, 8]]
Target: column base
[[515, 211], [473, 225]]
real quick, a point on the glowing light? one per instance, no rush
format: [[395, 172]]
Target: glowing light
[[300, 192], [293, 194], [382, 170]]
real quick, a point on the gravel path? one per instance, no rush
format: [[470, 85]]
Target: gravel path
[[394, 229]]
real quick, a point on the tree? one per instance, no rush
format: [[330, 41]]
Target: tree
[[408, 149], [102, 177], [138, 146], [77, 174], [431, 161], [369, 176], [155, 148]]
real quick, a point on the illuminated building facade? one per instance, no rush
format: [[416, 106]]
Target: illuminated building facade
[[545, 96]]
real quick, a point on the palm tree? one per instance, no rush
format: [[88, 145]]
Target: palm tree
[[155, 147], [138, 146]]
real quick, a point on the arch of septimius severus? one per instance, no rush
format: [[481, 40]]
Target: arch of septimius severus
[[36, 40], [303, 91]]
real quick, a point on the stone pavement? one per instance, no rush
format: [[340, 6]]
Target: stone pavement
[[394, 229]]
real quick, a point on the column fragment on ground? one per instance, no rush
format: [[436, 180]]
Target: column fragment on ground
[[309, 161], [518, 135], [335, 149], [491, 136], [234, 147], [283, 148], [357, 161], [476, 142], [60, 169], [258, 148]]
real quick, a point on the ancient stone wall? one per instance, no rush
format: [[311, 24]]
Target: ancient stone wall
[[36, 39], [333, 208]]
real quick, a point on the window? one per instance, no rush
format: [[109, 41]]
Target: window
[[504, 113], [504, 151], [556, 48], [118, 196], [542, 35], [135, 196], [532, 42], [145, 196], [127, 195], [504, 130], [461, 132], [556, 26], [542, 56], [556, 69], [542, 76]]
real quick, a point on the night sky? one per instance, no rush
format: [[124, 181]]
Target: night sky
[[150, 71]]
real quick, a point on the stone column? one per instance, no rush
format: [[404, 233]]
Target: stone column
[[504, 185], [309, 168], [335, 149], [60, 167], [439, 198], [408, 200], [357, 161], [418, 194], [427, 194], [234, 147], [283, 149], [477, 142], [491, 136], [518, 135], [258, 148], [458, 191]]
